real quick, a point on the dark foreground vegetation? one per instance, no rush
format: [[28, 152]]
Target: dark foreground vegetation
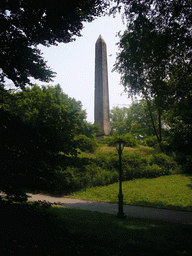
[[40, 229]]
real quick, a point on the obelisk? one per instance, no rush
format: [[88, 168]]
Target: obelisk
[[101, 89]]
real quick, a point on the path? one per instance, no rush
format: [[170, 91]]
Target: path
[[132, 211]]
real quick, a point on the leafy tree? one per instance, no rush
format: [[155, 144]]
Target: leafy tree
[[27, 23], [37, 124], [118, 120], [180, 133], [57, 116], [136, 119], [155, 52]]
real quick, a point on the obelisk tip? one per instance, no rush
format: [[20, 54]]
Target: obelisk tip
[[100, 38]]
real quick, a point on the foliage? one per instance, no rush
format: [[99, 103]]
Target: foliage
[[56, 116], [135, 120], [135, 165], [129, 140], [163, 161], [155, 53], [90, 171], [25, 24], [37, 124], [82, 177], [150, 141], [118, 120], [104, 169], [180, 135], [85, 143], [25, 159]]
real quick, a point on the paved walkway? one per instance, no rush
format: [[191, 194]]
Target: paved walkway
[[132, 211]]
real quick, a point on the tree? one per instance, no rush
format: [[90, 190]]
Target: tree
[[135, 120], [118, 120], [27, 23], [58, 117], [37, 124], [180, 135], [155, 49]]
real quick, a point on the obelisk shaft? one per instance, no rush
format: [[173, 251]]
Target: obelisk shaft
[[101, 88]]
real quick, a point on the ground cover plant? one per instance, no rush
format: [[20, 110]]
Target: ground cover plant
[[40, 229], [101, 168], [170, 192]]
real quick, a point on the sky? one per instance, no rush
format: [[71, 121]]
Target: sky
[[74, 64]]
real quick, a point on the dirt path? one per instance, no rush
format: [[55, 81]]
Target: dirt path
[[132, 211]]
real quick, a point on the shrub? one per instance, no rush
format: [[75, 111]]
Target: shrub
[[164, 161], [129, 140], [73, 178], [107, 161], [104, 169], [100, 176], [150, 141], [86, 144], [133, 165], [153, 171]]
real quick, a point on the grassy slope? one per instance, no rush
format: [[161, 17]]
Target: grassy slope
[[32, 230], [171, 192]]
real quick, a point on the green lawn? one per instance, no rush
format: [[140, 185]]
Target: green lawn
[[30, 229], [171, 192]]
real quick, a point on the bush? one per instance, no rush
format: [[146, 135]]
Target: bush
[[104, 169], [100, 176], [73, 178], [153, 171], [107, 161], [165, 162], [86, 144], [129, 140], [133, 165], [150, 141]]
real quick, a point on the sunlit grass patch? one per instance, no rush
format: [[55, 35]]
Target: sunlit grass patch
[[171, 192], [141, 149]]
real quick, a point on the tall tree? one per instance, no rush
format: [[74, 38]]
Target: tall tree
[[154, 49], [27, 23]]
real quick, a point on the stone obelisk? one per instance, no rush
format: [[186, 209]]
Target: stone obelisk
[[101, 89]]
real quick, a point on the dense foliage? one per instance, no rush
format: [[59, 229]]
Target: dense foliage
[[103, 169], [128, 139], [135, 120], [36, 125], [27, 23], [155, 62]]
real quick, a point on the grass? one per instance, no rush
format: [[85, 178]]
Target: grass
[[141, 149], [169, 192], [39, 230]]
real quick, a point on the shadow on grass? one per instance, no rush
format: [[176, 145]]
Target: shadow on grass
[[43, 230], [160, 205]]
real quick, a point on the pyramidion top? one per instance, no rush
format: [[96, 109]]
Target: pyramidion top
[[100, 38]]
